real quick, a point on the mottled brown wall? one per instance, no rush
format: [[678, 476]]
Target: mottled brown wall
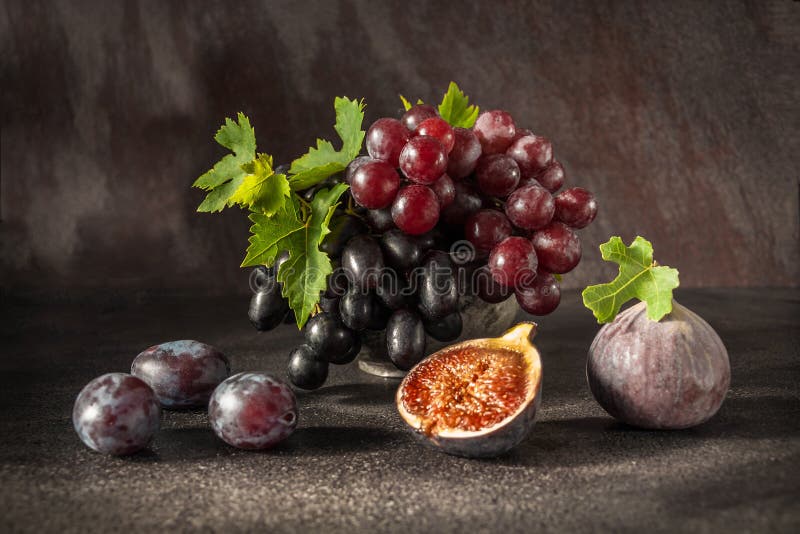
[[682, 117]]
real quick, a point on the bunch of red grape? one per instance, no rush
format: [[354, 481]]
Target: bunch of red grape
[[424, 187], [496, 180]]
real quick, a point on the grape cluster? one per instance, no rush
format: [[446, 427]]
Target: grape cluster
[[423, 187]]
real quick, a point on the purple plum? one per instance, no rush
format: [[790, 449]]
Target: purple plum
[[183, 374], [116, 414], [253, 411]]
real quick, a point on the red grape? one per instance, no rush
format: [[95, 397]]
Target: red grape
[[497, 175], [541, 297], [575, 207], [423, 159], [417, 114], [486, 228], [513, 262], [530, 207], [416, 209], [466, 202], [374, 184], [551, 178], [532, 153], [557, 247], [445, 190], [521, 132], [439, 128], [466, 151], [385, 139], [353, 166], [495, 130]]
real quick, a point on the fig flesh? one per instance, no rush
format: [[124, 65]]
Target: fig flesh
[[477, 398], [667, 374]]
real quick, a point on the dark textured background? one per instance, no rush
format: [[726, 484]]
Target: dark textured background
[[682, 117]]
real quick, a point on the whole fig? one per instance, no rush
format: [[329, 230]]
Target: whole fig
[[667, 374]]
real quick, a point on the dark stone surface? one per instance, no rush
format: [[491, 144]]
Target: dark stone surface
[[680, 115], [352, 467]]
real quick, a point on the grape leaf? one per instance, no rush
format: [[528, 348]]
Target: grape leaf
[[408, 105], [269, 231], [304, 274], [456, 109], [639, 277], [323, 161], [262, 189], [227, 175]]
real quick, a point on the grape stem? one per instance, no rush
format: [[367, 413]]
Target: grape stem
[[305, 207], [351, 209]]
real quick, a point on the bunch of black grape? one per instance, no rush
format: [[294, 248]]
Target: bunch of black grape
[[383, 281], [424, 188]]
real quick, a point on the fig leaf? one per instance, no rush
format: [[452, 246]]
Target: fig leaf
[[639, 277]]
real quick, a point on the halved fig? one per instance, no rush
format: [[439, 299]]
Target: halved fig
[[477, 398]]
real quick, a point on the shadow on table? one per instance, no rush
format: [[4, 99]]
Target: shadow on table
[[190, 444], [593, 440], [182, 444], [354, 394], [335, 440]]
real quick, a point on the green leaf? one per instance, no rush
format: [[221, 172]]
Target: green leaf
[[261, 189], [323, 161], [639, 277], [227, 175], [269, 232], [304, 274], [217, 199], [456, 109], [408, 105]]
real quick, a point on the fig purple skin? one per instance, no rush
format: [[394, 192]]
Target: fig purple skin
[[667, 374], [116, 414], [183, 374], [253, 411]]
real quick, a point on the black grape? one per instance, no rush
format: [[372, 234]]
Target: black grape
[[343, 228], [267, 308], [356, 308], [329, 338], [400, 251], [362, 260], [307, 369], [438, 287], [405, 339], [447, 328]]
